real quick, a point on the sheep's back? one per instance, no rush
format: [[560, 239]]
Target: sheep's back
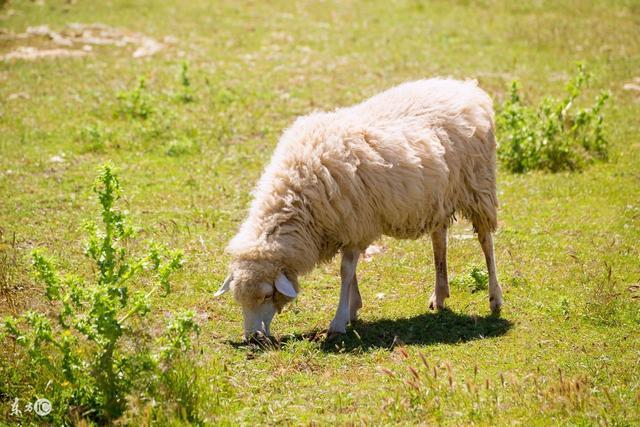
[[416, 154]]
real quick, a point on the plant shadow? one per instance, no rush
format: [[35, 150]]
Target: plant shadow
[[442, 327]]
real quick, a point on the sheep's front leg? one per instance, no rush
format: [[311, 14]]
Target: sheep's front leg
[[439, 240], [495, 291], [347, 278]]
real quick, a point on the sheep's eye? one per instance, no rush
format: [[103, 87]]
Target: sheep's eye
[[268, 297]]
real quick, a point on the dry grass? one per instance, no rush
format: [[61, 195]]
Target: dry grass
[[9, 273]]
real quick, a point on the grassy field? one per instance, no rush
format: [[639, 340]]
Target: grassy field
[[566, 349]]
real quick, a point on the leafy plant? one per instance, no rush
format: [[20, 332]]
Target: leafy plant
[[94, 138], [551, 136], [179, 147], [476, 280], [565, 307], [94, 351], [186, 92], [136, 103]]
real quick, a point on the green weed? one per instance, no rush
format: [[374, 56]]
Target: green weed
[[475, 280], [551, 136], [180, 147], [94, 138], [136, 103], [93, 352], [186, 92]]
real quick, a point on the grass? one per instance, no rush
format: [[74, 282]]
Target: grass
[[564, 351]]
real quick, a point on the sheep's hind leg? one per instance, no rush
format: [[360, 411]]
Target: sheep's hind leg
[[347, 276], [355, 300], [495, 291], [439, 240]]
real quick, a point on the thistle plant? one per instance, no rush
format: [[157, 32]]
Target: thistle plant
[[92, 347]]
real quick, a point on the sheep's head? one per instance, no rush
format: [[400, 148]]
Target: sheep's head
[[262, 292]]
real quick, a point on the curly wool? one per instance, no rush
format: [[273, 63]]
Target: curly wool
[[401, 163]]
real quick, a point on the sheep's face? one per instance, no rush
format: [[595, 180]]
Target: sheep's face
[[258, 309], [260, 299]]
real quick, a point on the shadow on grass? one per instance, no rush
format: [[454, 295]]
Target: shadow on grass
[[443, 327]]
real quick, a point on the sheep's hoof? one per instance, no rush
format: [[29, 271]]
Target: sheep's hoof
[[333, 335], [337, 328], [495, 304], [262, 340], [336, 331], [434, 304], [353, 314]]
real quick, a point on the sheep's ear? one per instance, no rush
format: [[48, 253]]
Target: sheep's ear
[[225, 286], [285, 287]]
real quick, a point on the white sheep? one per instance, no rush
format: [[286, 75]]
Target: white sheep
[[401, 163]]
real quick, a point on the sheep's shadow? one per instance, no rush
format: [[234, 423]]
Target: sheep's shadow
[[442, 327]]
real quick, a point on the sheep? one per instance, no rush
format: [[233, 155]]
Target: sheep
[[400, 164]]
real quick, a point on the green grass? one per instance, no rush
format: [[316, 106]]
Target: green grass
[[564, 351]]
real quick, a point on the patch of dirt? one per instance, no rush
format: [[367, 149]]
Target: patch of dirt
[[17, 292], [462, 236], [76, 40], [18, 95], [634, 85], [32, 53]]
